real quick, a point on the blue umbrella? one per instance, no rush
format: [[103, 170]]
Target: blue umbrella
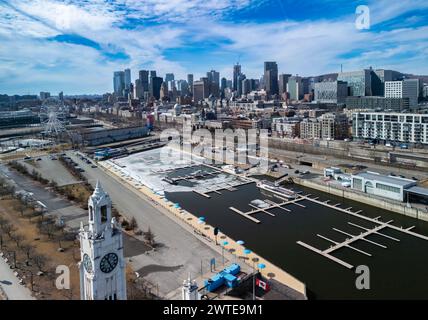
[[247, 251], [261, 265], [225, 243], [240, 242], [202, 218]]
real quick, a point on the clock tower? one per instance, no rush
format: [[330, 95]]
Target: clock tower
[[102, 266]]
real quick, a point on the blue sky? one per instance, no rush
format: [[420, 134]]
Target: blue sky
[[74, 46]]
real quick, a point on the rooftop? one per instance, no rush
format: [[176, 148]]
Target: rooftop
[[386, 179]]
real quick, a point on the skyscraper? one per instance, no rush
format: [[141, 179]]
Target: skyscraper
[[236, 73], [155, 86], [144, 79], [271, 77], [127, 79], [200, 90], [241, 78], [214, 82], [282, 83], [119, 83], [295, 88], [169, 77], [190, 82], [223, 86]]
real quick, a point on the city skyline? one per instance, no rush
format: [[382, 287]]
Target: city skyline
[[75, 46]]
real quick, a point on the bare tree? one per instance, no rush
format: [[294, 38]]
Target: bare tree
[[39, 261], [149, 237], [17, 238], [8, 229], [28, 249], [133, 224], [20, 207]]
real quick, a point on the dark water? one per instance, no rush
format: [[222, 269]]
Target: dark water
[[398, 272]]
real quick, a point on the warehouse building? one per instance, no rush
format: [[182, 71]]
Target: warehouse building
[[389, 187]]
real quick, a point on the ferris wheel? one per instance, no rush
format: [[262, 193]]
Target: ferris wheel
[[53, 117]]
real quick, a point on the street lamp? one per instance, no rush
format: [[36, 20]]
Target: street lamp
[[225, 243]]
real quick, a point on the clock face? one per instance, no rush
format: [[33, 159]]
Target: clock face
[[109, 262], [87, 263]]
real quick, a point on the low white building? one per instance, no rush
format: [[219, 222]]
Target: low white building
[[390, 187]]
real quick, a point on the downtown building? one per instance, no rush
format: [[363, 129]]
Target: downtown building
[[377, 103], [331, 92], [330, 126], [408, 88], [295, 88], [394, 127], [271, 78], [201, 90]]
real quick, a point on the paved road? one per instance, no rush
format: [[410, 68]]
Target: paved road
[[9, 284], [179, 252]]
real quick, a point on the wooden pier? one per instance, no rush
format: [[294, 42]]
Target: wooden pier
[[246, 215]]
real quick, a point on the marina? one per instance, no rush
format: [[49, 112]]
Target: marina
[[314, 237]]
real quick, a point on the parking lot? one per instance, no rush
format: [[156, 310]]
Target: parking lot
[[50, 168]]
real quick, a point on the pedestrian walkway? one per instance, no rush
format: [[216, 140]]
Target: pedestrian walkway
[[10, 286]]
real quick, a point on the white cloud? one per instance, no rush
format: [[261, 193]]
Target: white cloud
[[28, 60]]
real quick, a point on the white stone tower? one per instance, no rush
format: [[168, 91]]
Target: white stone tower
[[102, 266], [189, 291]]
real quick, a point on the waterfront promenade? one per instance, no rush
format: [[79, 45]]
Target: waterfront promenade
[[252, 259]]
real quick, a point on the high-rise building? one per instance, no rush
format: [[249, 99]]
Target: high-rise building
[[271, 77], [248, 85], [214, 82], [241, 78], [359, 82], [169, 77], [295, 88], [282, 83], [128, 80], [236, 73], [152, 74], [190, 82], [408, 88], [331, 92], [119, 83], [44, 95], [144, 79], [223, 86], [183, 87], [200, 90], [138, 89], [164, 92], [379, 77], [155, 86]]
